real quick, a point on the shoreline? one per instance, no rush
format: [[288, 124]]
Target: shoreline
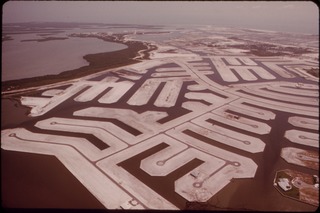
[[31, 175], [97, 62]]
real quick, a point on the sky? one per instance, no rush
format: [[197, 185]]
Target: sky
[[289, 16]]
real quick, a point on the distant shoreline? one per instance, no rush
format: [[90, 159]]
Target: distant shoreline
[[97, 62], [45, 39]]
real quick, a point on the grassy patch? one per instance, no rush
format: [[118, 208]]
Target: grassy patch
[[314, 72]]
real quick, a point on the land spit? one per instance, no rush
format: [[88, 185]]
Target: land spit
[[97, 62], [176, 130]]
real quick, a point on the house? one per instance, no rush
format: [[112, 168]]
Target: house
[[315, 179], [284, 184]]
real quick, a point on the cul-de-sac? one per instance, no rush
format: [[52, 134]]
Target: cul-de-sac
[[213, 119]]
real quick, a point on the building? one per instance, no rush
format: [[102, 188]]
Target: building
[[284, 184], [315, 179]]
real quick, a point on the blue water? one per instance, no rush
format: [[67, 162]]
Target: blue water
[[30, 59]]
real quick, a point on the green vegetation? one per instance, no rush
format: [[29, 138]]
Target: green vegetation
[[313, 71], [97, 62], [6, 38], [45, 39]]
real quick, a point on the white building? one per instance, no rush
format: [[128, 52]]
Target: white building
[[284, 184]]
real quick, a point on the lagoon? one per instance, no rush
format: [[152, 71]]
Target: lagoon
[[32, 58]]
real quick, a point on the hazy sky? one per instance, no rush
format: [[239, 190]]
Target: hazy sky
[[277, 15]]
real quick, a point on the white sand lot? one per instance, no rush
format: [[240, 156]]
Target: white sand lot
[[300, 157], [302, 137], [95, 181], [178, 127]]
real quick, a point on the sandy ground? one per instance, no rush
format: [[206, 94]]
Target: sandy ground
[[167, 132]]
